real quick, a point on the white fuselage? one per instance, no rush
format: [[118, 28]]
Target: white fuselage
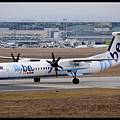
[[25, 68], [15, 70]]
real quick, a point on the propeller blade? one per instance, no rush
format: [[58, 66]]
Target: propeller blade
[[18, 57], [58, 59], [15, 60], [50, 70], [56, 73], [13, 57], [49, 61], [60, 67], [53, 57], [56, 69]]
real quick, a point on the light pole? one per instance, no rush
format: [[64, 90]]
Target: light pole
[[65, 26]]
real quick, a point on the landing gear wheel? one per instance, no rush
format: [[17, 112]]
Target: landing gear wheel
[[36, 79], [75, 81]]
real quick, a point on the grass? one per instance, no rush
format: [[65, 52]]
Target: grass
[[88, 103]]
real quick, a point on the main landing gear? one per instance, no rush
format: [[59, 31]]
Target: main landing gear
[[36, 79], [75, 80]]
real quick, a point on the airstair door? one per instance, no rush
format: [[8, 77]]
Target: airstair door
[[9, 71]]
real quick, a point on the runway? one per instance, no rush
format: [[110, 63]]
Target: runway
[[47, 84]]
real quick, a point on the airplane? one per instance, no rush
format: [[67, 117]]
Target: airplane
[[82, 46], [11, 44], [36, 69]]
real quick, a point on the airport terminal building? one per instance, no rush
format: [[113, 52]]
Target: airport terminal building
[[42, 31]]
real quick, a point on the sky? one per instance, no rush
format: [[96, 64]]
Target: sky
[[60, 11]]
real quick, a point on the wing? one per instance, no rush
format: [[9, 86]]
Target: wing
[[21, 59], [91, 59]]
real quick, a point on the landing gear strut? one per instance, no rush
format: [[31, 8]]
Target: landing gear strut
[[75, 80]]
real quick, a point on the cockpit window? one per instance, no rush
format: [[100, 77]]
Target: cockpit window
[[1, 67]]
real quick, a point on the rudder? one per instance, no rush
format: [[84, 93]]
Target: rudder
[[114, 47]]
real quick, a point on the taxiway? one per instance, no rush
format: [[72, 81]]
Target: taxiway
[[48, 84]]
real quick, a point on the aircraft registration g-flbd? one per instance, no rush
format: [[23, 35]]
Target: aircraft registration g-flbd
[[37, 68]]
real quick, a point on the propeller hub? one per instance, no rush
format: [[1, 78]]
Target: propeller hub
[[54, 64]]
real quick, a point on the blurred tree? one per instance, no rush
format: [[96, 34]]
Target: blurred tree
[[108, 42]]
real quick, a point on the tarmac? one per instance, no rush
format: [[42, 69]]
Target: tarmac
[[48, 84]]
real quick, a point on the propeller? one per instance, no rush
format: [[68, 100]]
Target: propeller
[[15, 59], [54, 64]]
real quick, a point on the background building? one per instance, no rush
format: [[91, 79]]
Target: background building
[[28, 31]]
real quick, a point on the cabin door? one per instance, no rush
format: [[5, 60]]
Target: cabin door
[[9, 71]]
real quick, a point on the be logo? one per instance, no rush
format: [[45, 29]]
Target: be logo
[[23, 68], [115, 54], [27, 68]]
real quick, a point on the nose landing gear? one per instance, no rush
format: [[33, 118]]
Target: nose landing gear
[[75, 80]]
